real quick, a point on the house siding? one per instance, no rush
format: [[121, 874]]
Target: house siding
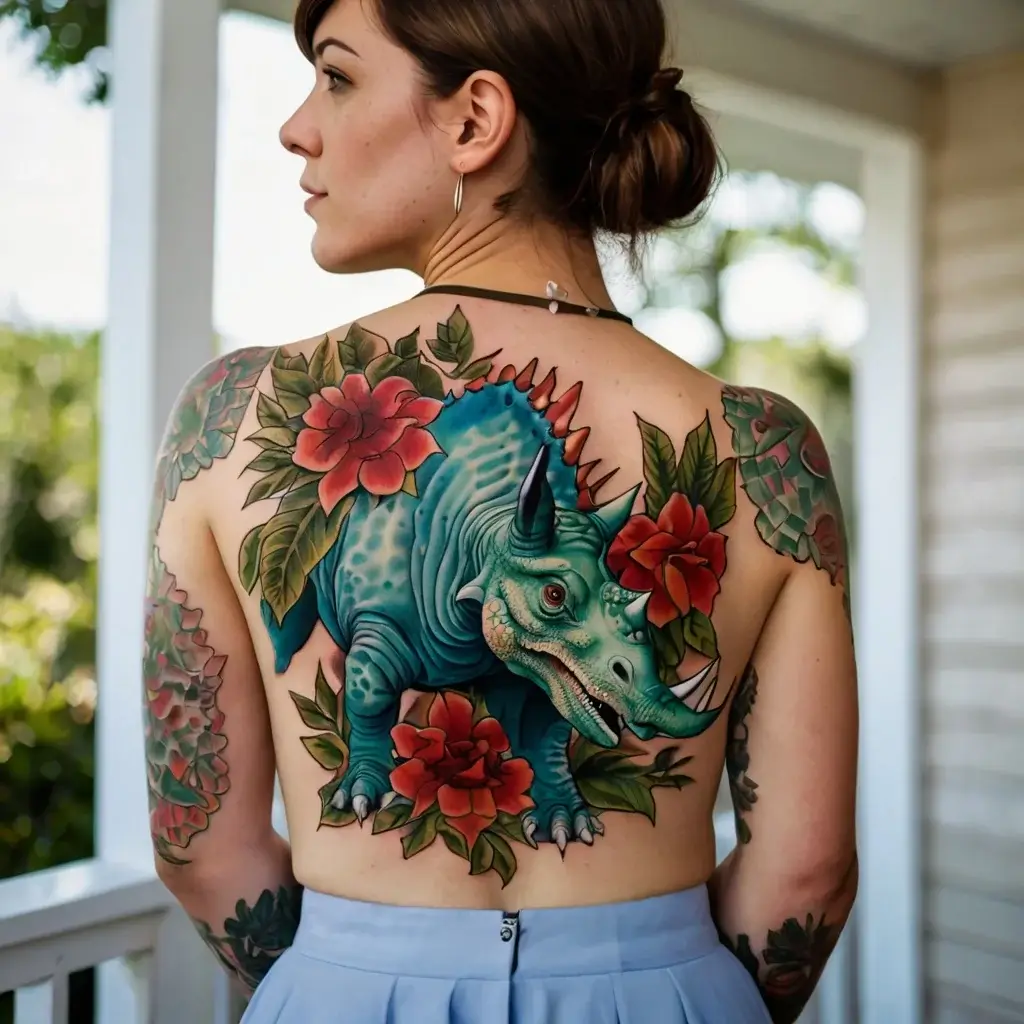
[[973, 549]]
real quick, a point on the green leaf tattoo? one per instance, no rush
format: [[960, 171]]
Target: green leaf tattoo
[[184, 727], [786, 473], [360, 348], [257, 935], [699, 463], [659, 467], [205, 421], [737, 755], [290, 546]]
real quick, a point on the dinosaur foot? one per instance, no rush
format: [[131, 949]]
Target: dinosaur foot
[[561, 824], [363, 787]]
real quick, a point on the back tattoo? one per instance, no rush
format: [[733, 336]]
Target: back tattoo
[[510, 635]]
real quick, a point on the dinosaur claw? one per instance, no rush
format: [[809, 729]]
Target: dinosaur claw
[[597, 826], [340, 800], [361, 807], [560, 834], [581, 825], [529, 827]]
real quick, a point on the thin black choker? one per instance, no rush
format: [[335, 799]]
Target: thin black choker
[[553, 304]]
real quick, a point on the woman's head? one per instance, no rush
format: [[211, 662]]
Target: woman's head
[[558, 109]]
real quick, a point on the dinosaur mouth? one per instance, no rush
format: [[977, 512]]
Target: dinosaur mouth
[[604, 715]]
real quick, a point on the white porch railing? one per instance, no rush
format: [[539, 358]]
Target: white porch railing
[[87, 914], [91, 913]]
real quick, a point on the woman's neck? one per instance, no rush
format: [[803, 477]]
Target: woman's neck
[[510, 255]]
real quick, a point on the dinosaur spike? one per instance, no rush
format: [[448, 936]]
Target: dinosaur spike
[[574, 445], [540, 396], [561, 412], [584, 471], [476, 385], [525, 379], [507, 373], [598, 484]]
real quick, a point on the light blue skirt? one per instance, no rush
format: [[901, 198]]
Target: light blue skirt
[[652, 960]]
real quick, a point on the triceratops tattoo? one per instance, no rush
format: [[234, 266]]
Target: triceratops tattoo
[[486, 565]]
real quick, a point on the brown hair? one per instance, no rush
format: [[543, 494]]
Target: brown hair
[[616, 144]]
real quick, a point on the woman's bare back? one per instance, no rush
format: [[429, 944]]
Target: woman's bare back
[[503, 574]]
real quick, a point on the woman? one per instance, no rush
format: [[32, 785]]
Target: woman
[[492, 581]]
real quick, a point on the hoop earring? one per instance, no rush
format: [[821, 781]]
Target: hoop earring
[[459, 192]]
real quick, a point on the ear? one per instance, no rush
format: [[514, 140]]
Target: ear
[[473, 590], [480, 118]]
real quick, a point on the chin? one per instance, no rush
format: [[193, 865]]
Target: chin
[[338, 254], [333, 257]]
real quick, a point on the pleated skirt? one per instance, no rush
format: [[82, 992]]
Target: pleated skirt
[[650, 961]]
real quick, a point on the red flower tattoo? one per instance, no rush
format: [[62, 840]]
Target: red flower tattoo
[[458, 765], [679, 559], [362, 437]]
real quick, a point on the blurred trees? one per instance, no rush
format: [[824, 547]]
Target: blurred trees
[[65, 33], [759, 215], [48, 549]]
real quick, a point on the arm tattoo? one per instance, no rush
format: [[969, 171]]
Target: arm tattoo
[[785, 470], [184, 727], [791, 963], [737, 754], [256, 936], [205, 421], [185, 736]]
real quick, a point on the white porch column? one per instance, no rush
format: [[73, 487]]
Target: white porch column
[[887, 411], [164, 105]]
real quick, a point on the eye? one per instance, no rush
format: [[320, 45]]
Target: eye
[[337, 81], [554, 595]]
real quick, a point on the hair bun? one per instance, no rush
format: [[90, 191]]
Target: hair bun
[[657, 160], [664, 83]]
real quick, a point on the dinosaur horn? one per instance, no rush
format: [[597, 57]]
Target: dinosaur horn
[[533, 530], [635, 613], [614, 515]]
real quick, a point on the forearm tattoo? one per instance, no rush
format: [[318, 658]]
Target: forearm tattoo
[[790, 963], [249, 943]]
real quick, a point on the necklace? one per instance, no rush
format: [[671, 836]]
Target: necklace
[[555, 302]]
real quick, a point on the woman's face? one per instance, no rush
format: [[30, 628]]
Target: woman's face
[[377, 165]]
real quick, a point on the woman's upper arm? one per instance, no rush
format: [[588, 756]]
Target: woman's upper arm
[[209, 754], [792, 756], [793, 762]]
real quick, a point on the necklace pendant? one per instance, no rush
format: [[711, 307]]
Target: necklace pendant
[[556, 295]]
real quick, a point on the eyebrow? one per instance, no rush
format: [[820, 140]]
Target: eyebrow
[[331, 41]]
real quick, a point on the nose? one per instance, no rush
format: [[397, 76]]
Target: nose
[[299, 134], [622, 669]]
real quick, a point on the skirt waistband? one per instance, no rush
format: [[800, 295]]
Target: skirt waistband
[[645, 934]]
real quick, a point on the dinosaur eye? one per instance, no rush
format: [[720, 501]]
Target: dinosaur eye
[[554, 595]]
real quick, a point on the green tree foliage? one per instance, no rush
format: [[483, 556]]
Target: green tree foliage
[[48, 541], [66, 33], [813, 374]]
